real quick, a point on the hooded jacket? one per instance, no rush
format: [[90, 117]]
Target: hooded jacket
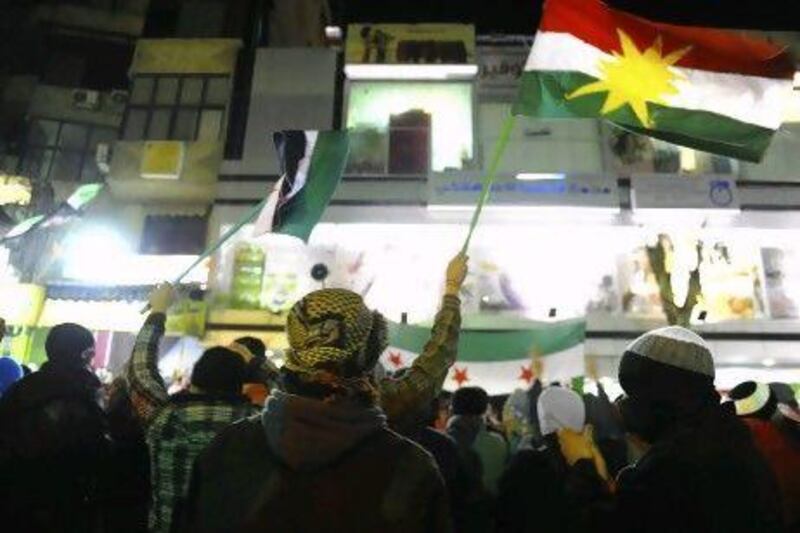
[[704, 474], [53, 445], [305, 465]]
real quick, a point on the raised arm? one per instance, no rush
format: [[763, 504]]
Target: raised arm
[[147, 390], [417, 388]]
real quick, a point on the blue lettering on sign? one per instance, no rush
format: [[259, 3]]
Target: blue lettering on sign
[[555, 188]]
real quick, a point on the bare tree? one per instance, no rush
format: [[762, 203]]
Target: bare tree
[[676, 315]]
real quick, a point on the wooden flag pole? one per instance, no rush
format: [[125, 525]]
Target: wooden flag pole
[[491, 173]]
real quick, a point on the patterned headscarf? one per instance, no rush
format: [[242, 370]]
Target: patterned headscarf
[[333, 337]]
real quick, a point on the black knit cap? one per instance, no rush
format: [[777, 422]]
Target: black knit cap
[[470, 401], [219, 371], [254, 345], [754, 400], [66, 343]]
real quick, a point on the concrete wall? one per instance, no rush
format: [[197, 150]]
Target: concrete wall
[[293, 88]]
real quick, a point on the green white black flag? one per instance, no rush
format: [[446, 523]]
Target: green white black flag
[[312, 163]]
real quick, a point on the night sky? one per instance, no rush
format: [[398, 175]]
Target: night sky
[[521, 16]]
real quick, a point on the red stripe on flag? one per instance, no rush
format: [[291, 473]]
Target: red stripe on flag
[[715, 50]]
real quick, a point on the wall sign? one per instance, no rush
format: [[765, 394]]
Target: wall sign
[[696, 192], [576, 191], [430, 44]]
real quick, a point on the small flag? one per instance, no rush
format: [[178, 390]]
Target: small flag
[[23, 227], [499, 361], [704, 88], [84, 195], [311, 166], [63, 213]]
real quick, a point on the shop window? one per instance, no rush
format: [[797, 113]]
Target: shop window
[[409, 127], [173, 235], [633, 153], [181, 108], [64, 151]]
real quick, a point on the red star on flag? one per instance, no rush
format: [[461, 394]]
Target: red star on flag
[[526, 373], [396, 359], [460, 376]]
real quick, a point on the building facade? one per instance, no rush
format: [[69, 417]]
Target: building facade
[[183, 145]]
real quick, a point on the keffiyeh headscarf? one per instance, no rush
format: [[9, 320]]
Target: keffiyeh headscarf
[[334, 338]]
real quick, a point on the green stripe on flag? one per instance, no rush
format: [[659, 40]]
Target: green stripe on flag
[[497, 345], [324, 173], [543, 94]]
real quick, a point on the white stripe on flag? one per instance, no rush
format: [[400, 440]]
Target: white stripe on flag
[[304, 164], [750, 99], [265, 218], [499, 377]]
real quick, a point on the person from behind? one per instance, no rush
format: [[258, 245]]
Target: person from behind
[[260, 374], [421, 429], [702, 471], [483, 455], [469, 429], [547, 488], [10, 373], [777, 438], [177, 428], [54, 440], [320, 457]]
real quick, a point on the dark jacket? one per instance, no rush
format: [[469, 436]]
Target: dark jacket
[[703, 475], [309, 466], [53, 446], [540, 492], [445, 452], [128, 481], [781, 448]]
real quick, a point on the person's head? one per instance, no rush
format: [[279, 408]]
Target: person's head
[[334, 344], [70, 345], [10, 373], [219, 371], [255, 346], [560, 408], [668, 377], [753, 400], [470, 401], [784, 394]]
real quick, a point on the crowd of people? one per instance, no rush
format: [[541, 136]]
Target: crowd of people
[[331, 442]]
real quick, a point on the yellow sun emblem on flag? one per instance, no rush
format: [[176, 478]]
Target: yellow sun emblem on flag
[[635, 78]]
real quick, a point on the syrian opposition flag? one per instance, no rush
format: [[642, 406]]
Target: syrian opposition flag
[[704, 88], [76, 204], [312, 163], [499, 361]]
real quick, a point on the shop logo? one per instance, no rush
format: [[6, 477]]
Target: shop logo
[[720, 193]]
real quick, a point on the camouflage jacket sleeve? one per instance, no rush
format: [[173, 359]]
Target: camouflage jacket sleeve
[[147, 390], [422, 383]]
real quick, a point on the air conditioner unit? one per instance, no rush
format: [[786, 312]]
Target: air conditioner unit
[[120, 97], [84, 99], [103, 157]]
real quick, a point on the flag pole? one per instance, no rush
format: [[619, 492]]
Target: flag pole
[[491, 173], [213, 247]]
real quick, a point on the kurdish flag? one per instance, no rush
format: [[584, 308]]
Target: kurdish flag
[[497, 360], [312, 163], [703, 88]]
